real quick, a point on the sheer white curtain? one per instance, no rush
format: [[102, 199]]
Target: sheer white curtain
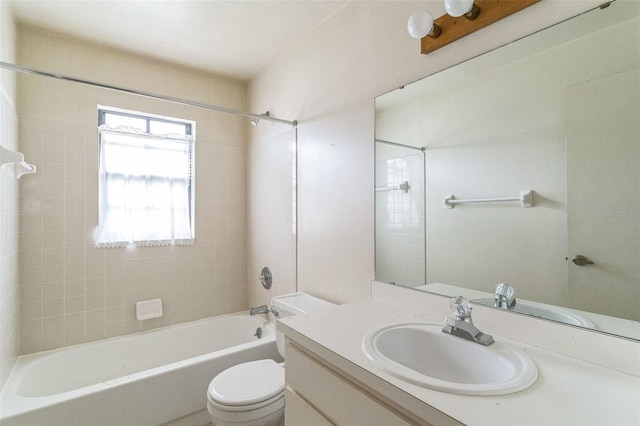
[[145, 183]]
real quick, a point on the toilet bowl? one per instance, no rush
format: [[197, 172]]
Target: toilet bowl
[[252, 393]]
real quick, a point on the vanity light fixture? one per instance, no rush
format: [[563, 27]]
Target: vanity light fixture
[[463, 17]]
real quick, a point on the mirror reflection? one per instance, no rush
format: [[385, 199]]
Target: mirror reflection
[[553, 118]]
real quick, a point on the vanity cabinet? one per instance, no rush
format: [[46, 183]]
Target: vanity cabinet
[[300, 412], [330, 379], [318, 393]]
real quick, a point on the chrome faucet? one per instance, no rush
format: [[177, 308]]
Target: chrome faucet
[[462, 325], [264, 309], [504, 297]]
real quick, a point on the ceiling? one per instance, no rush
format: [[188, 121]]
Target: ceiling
[[234, 38]]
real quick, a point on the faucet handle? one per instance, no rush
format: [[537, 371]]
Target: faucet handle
[[504, 296], [460, 307], [505, 290]]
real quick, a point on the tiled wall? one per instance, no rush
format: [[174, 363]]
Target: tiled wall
[[400, 216], [72, 292]]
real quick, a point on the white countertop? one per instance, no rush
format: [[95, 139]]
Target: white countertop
[[568, 391]]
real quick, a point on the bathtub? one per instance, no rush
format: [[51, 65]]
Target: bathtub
[[149, 378]]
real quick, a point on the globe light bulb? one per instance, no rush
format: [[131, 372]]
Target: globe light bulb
[[420, 24], [458, 8]]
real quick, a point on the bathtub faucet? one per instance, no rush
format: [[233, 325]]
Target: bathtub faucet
[[263, 310]]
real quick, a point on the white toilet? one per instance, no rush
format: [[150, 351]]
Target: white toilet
[[252, 393]]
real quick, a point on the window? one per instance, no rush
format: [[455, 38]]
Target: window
[[145, 182]]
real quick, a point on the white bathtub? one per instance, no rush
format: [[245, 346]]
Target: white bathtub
[[148, 378]]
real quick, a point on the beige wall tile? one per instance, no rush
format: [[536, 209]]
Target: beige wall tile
[[52, 291], [95, 290], [52, 307]]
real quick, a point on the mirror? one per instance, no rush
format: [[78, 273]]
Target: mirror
[[556, 113]]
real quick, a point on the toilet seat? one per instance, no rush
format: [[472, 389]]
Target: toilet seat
[[252, 393], [247, 386]]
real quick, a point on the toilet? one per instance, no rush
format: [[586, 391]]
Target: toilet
[[252, 393]]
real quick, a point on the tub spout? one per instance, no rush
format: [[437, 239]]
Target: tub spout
[[264, 309], [259, 310]]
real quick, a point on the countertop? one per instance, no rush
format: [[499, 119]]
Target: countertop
[[568, 391]]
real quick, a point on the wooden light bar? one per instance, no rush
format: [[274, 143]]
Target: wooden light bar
[[455, 28]]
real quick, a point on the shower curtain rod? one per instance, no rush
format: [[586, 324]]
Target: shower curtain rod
[[423, 149], [32, 71]]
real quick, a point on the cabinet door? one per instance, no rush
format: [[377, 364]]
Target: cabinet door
[[298, 412], [333, 396]]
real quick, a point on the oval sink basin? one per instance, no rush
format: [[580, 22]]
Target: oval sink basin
[[425, 356], [545, 311]]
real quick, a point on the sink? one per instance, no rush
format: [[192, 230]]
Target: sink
[[545, 311], [423, 355]]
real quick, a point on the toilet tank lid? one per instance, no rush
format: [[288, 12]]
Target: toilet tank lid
[[299, 303]]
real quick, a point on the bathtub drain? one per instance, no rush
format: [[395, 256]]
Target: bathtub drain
[[258, 333]]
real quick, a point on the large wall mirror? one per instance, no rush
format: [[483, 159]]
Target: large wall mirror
[[521, 166]]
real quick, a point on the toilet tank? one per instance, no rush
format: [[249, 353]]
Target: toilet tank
[[295, 304]]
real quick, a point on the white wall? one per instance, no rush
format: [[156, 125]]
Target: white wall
[[271, 224], [9, 202], [328, 81], [73, 292]]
